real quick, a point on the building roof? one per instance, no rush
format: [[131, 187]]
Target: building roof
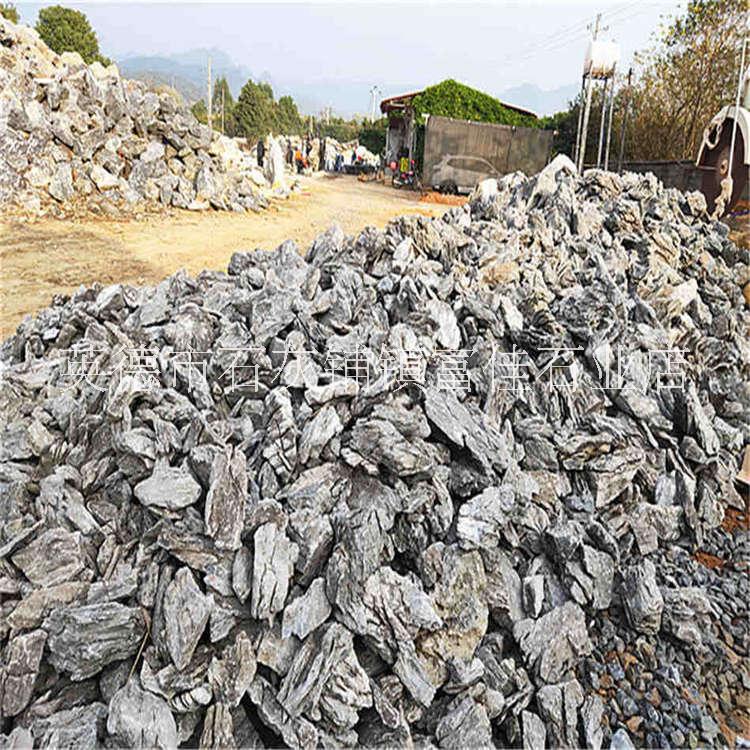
[[402, 101]]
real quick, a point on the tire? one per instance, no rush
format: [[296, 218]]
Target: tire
[[448, 188], [718, 160]]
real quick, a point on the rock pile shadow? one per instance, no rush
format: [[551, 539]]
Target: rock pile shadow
[[437, 485]]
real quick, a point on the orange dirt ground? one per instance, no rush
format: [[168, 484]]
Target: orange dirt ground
[[43, 257]]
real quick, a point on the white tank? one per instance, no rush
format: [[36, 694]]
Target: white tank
[[601, 58]]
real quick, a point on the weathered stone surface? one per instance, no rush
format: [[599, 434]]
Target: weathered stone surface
[[81, 727], [52, 558], [326, 681], [230, 676], [226, 500], [169, 487], [186, 611], [273, 565], [642, 598], [20, 667], [303, 614], [554, 643], [140, 719], [82, 640]]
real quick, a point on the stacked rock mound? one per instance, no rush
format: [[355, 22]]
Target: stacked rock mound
[[311, 536], [71, 133]]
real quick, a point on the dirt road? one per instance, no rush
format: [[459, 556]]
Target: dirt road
[[39, 259]]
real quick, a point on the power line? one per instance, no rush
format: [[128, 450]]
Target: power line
[[568, 34]]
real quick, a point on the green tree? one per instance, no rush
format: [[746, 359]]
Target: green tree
[[372, 135], [254, 111], [288, 119], [9, 12], [222, 96], [67, 30], [199, 111]]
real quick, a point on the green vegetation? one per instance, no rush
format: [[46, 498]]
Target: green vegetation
[[287, 117], [9, 12], [453, 99], [67, 30], [372, 135], [254, 114]]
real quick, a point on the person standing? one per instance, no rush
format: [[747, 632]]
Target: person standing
[[260, 152]]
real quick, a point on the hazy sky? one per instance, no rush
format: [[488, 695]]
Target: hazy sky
[[492, 46]]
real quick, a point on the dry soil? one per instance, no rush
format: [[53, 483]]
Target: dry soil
[[44, 257]]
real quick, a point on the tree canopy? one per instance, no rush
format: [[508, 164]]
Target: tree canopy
[[9, 12], [687, 75], [288, 118], [68, 30], [254, 111], [453, 99]]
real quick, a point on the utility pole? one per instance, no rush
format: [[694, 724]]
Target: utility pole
[[587, 111], [609, 125], [625, 121], [209, 106], [222, 109], [374, 91]]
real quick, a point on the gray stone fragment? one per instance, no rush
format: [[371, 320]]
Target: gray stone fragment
[[533, 595], [218, 728], [296, 732], [273, 565], [465, 724], [481, 519], [230, 676], [140, 719], [554, 643], [103, 179], [226, 499], [52, 558], [20, 738], [318, 432], [19, 670], [186, 611], [533, 732], [621, 741], [326, 680], [592, 713], [169, 487], [83, 640], [80, 728], [61, 184], [305, 613], [30, 612], [642, 598], [688, 615]]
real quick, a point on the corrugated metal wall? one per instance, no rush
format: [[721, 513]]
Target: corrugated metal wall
[[465, 153]]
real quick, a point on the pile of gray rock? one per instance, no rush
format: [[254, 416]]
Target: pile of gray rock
[[401, 490], [72, 133]]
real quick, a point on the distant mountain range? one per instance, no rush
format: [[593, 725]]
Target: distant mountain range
[[187, 73]]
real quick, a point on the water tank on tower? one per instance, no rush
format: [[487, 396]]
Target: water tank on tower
[[601, 58]]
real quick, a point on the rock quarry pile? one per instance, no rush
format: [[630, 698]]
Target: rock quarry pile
[[71, 132], [311, 536]]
